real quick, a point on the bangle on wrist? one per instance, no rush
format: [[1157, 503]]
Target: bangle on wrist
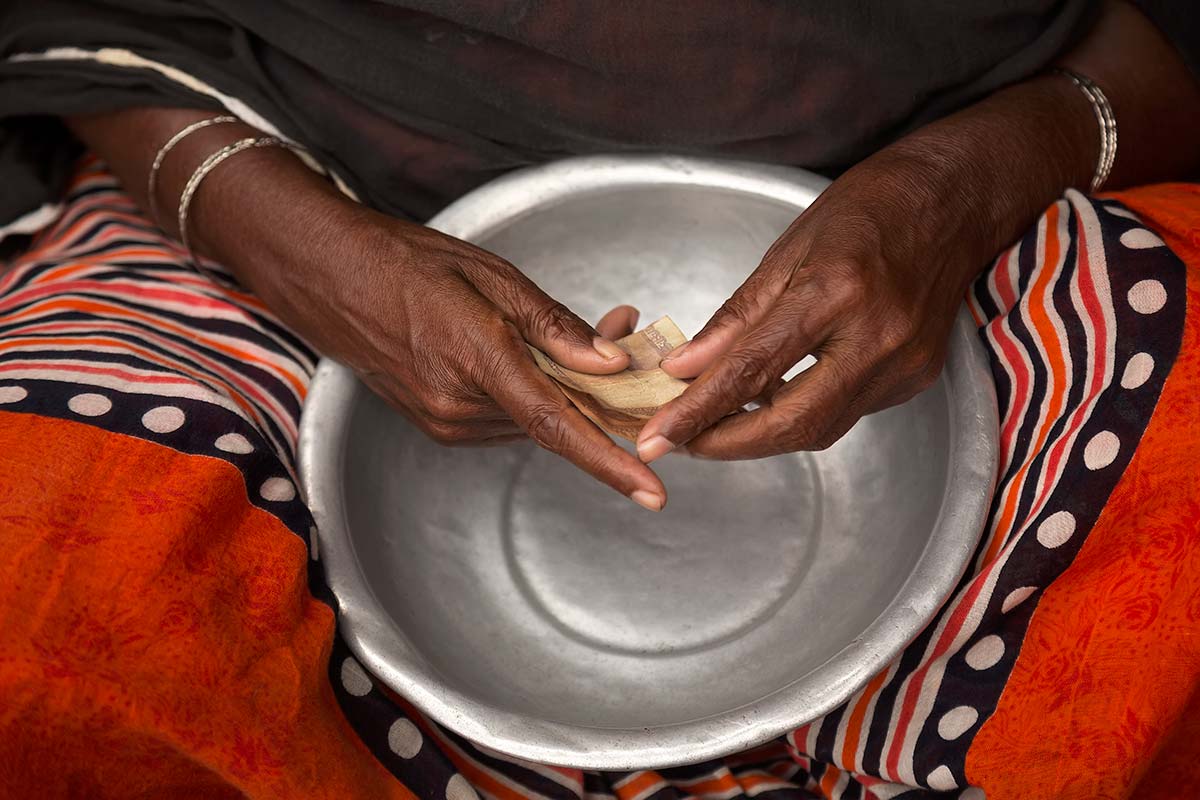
[[1107, 120], [161, 155], [207, 166]]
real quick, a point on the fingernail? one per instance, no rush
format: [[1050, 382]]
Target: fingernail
[[647, 500], [607, 349], [677, 352], [654, 447]]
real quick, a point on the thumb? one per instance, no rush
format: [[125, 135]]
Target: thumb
[[737, 316], [550, 326]]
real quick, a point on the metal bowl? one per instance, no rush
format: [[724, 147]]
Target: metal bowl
[[527, 607]]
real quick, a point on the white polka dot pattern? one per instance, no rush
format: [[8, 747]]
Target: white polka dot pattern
[[1118, 211], [957, 721], [1056, 529], [234, 443], [1016, 597], [1101, 450], [163, 419], [354, 679], [985, 653], [1140, 239], [1137, 370], [404, 739], [89, 404], [941, 779], [458, 789], [277, 490], [1147, 297], [12, 394]]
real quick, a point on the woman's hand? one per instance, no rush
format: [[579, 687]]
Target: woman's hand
[[438, 328], [861, 282], [870, 277]]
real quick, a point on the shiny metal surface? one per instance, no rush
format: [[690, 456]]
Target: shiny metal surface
[[535, 611]]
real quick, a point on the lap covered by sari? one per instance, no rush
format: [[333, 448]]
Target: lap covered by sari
[[165, 630]]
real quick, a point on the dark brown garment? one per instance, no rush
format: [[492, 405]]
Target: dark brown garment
[[415, 102]]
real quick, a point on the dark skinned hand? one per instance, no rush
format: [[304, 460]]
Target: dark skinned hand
[[856, 282]]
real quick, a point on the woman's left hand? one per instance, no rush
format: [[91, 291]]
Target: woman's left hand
[[868, 280]]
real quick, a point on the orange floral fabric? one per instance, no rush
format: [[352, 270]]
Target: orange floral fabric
[[164, 633], [156, 641], [1103, 700]]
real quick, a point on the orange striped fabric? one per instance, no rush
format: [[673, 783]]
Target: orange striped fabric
[[176, 641]]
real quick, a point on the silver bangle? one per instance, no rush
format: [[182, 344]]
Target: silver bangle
[[1107, 120], [207, 166], [161, 155]]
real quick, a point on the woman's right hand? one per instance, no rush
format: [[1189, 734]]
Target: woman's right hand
[[438, 327]]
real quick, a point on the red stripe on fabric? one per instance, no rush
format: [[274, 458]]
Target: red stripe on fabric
[[1091, 304], [221, 372], [112, 373], [103, 309], [1056, 377], [719, 784], [196, 378], [953, 625], [119, 288], [1004, 288]]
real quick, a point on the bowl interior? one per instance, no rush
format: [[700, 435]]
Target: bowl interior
[[529, 589]]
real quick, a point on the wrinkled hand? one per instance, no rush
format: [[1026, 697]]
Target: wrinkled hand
[[438, 328], [865, 282]]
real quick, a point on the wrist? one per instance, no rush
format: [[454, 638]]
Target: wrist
[[991, 169], [262, 214]]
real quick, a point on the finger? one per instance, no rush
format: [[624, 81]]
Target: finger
[[811, 412], [460, 433], [474, 430], [502, 441], [618, 323], [745, 309], [471, 423], [546, 415], [438, 405], [547, 324], [870, 399], [483, 439], [769, 393], [749, 370]]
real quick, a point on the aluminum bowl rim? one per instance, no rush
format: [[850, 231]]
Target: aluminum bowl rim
[[384, 650]]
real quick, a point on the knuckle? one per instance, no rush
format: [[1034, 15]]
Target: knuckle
[[547, 425], [747, 373], [844, 285], [493, 327], [898, 331], [551, 320], [446, 407], [738, 309], [823, 441], [803, 434], [444, 433]]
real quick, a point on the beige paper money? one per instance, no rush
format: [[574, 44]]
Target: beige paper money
[[621, 403]]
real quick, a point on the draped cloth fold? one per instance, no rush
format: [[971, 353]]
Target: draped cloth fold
[[411, 103], [165, 629]]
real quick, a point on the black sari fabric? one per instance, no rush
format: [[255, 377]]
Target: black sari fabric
[[413, 102]]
